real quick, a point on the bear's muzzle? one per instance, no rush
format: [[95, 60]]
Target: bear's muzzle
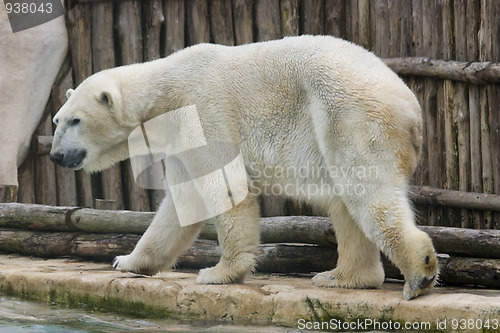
[[71, 159]]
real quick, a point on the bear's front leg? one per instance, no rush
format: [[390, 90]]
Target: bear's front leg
[[161, 244], [238, 234], [386, 218]]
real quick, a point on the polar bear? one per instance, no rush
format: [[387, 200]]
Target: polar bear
[[317, 104]]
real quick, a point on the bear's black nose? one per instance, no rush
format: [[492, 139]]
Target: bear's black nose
[[57, 158], [72, 158]]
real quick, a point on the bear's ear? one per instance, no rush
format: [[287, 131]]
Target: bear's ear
[[105, 98], [68, 93]]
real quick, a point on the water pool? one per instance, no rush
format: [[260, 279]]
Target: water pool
[[19, 316]]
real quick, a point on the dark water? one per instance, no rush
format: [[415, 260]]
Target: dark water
[[17, 316]]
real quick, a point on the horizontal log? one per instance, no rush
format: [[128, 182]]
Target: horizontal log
[[37, 243], [287, 229], [472, 72], [483, 243], [111, 221], [57, 244], [35, 217], [427, 195], [272, 258]]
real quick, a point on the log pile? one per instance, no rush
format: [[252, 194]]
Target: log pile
[[296, 244]]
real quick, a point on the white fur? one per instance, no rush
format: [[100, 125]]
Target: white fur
[[316, 103]]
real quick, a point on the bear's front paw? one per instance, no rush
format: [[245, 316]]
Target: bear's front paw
[[122, 263], [137, 264]]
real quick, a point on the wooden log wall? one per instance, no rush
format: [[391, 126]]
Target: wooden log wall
[[461, 116]]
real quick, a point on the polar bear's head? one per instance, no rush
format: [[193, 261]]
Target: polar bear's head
[[92, 126]]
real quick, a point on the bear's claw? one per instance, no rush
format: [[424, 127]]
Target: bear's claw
[[418, 286]]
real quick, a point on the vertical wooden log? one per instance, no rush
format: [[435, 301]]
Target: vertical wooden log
[[450, 132], [450, 115], [395, 9], [174, 25], [485, 45], [472, 18], [475, 151], [243, 21], [487, 162], [198, 28], [335, 22], [418, 86], [153, 22], [430, 105], [103, 57], [494, 97], [67, 194], [8, 193], [26, 180], [105, 204], [45, 173], [380, 28], [78, 23], [267, 20], [417, 45], [129, 29], [312, 22], [406, 29], [347, 19], [462, 105], [221, 22], [364, 33], [439, 46], [289, 17], [352, 21]]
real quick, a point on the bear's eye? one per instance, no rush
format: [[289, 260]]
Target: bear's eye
[[73, 121], [427, 260]]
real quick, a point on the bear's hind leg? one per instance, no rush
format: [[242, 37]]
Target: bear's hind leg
[[238, 233], [358, 264], [161, 244]]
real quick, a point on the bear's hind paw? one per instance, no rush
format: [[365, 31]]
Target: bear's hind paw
[[215, 275], [331, 279]]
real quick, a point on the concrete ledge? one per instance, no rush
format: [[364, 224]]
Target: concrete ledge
[[263, 299]]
